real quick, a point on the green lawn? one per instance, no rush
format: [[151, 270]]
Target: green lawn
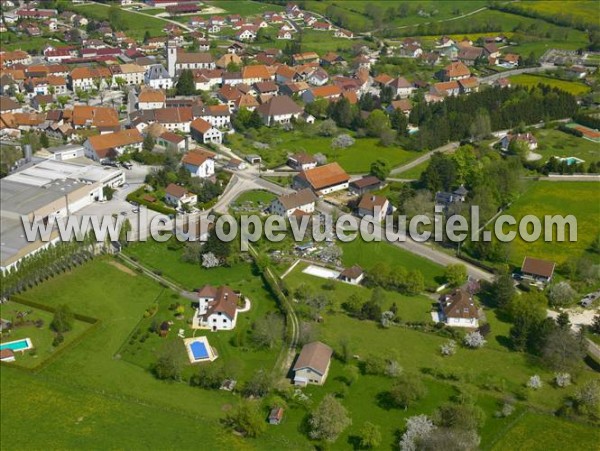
[[413, 173], [554, 143], [245, 8], [135, 25], [315, 41], [581, 11], [544, 432], [354, 159], [41, 337], [558, 198], [574, 87], [367, 255], [252, 201], [410, 308]]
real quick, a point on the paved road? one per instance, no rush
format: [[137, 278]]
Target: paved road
[[450, 147], [526, 70]]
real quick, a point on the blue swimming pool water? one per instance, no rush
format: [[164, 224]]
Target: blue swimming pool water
[[15, 345], [199, 350]]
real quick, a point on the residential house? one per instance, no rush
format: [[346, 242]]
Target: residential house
[[227, 59], [104, 119], [323, 179], [365, 185], [353, 275], [179, 196], [445, 89], [158, 77], [217, 115], [207, 79], [321, 26], [318, 77], [312, 365], [402, 87], [151, 99], [341, 33], [132, 74], [285, 205], [172, 141], [411, 51], [331, 59], [455, 71], [329, 92], [266, 89], [374, 206], [446, 200], [109, 146], [200, 163], [203, 132], [279, 110], [459, 310], [255, 73], [469, 55], [304, 58], [301, 161], [404, 105], [284, 34], [526, 138], [537, 269], [468, 85], [85, 78], [510, 60], [217, 308], [246, 34]]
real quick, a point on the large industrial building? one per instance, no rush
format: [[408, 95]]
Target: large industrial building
[[43, 191]]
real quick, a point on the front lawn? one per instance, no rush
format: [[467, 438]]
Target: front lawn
[[554, 143], [354, 159], [558, 198], [573, 87]]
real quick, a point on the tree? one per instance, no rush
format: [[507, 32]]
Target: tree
[[168, 364], [440, 174], [328, 420], [502, 289], [563, 350], [481, 126], [255, 120], [418, 428], [460, 416], [370, 435], [259, 385], [342, 141], [327, 128], [455, 275], [474, 340], [124, 231], [267, 331], [407, 389], [534, 382], [380, 169], [595, 326], [146, 37], [44, 141], [399, 121], [149, 143], [386, 95], [246, 418], [376, 123], [209, 260], [561, 294], [62, 100], [563, 321], [63, 319], [186, 86], [587, 399]]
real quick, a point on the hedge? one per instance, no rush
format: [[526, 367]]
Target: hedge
[[136, 196]]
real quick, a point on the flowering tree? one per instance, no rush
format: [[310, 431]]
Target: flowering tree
[[448, 348], [562, 379], [474, 340], [210, 261], [342, 141], [418, 428], [534, 382]]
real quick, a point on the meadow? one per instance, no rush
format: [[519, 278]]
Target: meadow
[[354, 159], [558, 198], [135, 25], [573, 87], [246, 8], [580, 11], [554, 143]]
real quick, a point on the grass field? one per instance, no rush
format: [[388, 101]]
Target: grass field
[[573, 87], [245, 8], [413, 173], [535, 431], [554, 143], [354, 11], [581, 11], [315, 41], [558, 198], [354, 159], [136, 25], [41, 337], [252, 201]]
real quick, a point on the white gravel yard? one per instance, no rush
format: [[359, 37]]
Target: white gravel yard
[[321, 272], [578, 316]]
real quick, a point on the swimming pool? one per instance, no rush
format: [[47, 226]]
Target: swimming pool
[[571, 160], [17, 345], [199, 350]]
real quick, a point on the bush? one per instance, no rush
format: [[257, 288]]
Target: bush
[[342, 141], [534, 382], [474, 340], [448, 348], [58, 339]]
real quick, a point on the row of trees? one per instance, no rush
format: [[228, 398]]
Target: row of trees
[[465, 117]]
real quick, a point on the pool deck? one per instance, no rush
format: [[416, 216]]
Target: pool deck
[[212, 353], [21, 350]]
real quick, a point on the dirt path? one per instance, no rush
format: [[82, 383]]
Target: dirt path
[[122, 267]]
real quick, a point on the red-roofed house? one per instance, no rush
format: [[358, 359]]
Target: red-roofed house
[[200, 163], [203, 132]]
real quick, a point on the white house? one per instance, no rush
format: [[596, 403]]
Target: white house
[[323, 179], [110, 145], [178, 196], [157, 77], [301, 201], [526, 138], [302, 161], [203, 132], [132, 74], [200, 163], [216, 115], [353, 275], [459, 310], [312, 365], [151, 99], [247, 34], [217, 308], [374, 206], [279, 109]]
